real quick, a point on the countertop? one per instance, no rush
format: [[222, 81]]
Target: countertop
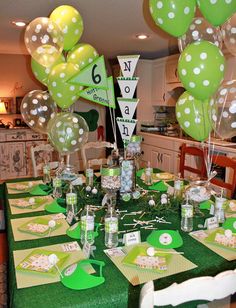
[[216, 144]]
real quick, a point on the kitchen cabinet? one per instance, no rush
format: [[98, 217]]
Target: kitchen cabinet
[[158, 82], [15, 152], [162, 159], [171, 75]]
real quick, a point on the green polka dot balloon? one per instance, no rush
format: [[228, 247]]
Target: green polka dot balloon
[[62, 92], [70, 23], [174, 16], [41, 73], [193, 116], [201, 69], [82, 55], [67, 132], [217, 11]]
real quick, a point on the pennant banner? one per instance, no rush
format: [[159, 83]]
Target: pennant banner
[[101, 96], [127, 86], [126, 127], [93, 75], [127, 106], [128, 64]]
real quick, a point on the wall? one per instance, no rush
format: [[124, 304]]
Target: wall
[[16, 79]]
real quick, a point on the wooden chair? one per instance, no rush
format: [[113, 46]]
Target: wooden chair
[[200, 288], [230, 167], [87, 163], [185, 165], [39, 154]]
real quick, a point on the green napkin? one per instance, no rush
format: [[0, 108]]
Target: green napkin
[[205, 205], [165, 239], [54, 207], [140, 172], [230, 224], [74, 231], [40, 190], [159, 186]]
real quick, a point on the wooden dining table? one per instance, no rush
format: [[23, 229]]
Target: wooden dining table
[[117, 291]]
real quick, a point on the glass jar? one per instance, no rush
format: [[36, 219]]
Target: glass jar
[[110, 178], [68, 173], [128, 176], [134, 147], [110, 182]]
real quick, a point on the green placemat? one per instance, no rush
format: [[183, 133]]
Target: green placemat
[[137, 276], [225, 253], [29, 204], [22, 187], [160, 186], [29, 279], [22, 236]]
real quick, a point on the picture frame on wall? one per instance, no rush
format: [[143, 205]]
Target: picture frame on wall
[[9, 104], [18, 103]]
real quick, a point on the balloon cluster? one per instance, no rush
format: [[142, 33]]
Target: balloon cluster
[[201, 65], [56, 56]]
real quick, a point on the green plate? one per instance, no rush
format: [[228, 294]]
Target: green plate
[[230, 206], [38, 201], [41, 224], [140, 251], [37, 262], [211, 239]]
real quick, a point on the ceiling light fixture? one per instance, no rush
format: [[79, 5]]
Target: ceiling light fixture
[[142, 36], [19, 23]]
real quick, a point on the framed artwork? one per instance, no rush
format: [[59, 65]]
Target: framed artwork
[[18, 103], [9, 104]]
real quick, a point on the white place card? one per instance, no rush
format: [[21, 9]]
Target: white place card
[[211, 223], [132, 238]]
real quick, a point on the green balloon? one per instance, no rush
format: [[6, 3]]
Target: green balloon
[[201, 69], [41, 73], [82, 55], [173, 16], [67, 132], [217, 11], [193, 116], [70, 23], [63, 93]]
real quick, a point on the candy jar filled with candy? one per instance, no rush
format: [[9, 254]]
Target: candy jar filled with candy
[[110, 181]]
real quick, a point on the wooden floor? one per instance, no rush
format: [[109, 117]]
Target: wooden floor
[[3, 270]]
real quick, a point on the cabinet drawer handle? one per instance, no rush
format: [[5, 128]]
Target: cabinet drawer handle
[[164, 96], [142, 152], [176, 72]]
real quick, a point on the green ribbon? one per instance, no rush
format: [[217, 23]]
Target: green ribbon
[[136, 138], [110, 171]]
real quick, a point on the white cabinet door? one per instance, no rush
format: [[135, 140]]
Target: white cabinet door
[[17, 159], [172, 70], [162, 159], [158, 82]]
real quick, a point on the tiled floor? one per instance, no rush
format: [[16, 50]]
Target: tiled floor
[[3, 271]]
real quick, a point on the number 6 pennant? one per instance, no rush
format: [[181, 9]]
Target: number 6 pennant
[[94, 75]]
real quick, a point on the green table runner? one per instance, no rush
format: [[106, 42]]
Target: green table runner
[[116, 291]]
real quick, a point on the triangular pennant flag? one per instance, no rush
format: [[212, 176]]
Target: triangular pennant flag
[[128, 64], [94, 75], [101, 96], [127, 86], [126, 127], [127, 106]]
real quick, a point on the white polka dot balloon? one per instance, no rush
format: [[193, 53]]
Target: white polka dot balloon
[[217, 11], [70, 22], [82, 55], [63, 92], [201, 69], [67, 132], [223, 110], [173, 16], [44, 41], [193, 117], [199, 30], [37, 108], [229, 34]]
